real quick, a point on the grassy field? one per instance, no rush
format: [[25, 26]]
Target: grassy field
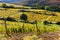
[[32, 14], [14, 13]]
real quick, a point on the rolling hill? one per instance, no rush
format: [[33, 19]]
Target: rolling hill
[[43, 2], [34, 2], [40, 2], [16, 28]]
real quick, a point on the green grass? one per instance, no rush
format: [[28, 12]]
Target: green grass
[[18, 27]]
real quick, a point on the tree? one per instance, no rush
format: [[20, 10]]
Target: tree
[[58, 23], [23, 17], [47, 8], [4, 5], [10, 19], [47, 22]]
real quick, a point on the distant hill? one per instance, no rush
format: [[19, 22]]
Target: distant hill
[[43, 2], [33, 2], [40, 4]]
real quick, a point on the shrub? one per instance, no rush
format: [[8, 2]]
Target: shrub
[[47, 8], [4, 5], [10, 19], [23, 17], [58, 23], [11, 6], [53, 15], [47, 22]]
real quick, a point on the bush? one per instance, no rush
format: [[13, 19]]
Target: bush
[[47, 22], [23, 17], [47, 8], [58, 23], [53, 15], [10, 19], [4, 5], [10, 6]]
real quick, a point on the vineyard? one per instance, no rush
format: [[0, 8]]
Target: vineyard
[[25, 27]]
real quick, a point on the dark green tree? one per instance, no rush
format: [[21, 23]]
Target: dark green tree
[[23, 17], [47, 8], [4, 5]]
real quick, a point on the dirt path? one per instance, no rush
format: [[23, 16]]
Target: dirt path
[[51, 36], [31, 36]]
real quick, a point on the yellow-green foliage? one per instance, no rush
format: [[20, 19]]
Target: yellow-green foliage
[[18, 27]]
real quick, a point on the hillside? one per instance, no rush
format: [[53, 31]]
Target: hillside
[[33, 2], [38, 25], [54, 5], [37, 13], [40, 2]]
